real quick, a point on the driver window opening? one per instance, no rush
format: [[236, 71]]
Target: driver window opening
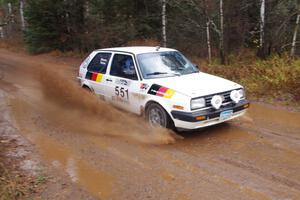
[[123, 66]]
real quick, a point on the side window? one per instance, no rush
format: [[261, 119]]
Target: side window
[[123, 66], [99, 63]]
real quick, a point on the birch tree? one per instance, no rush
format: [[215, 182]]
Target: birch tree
[[208, 40], [1, 30], [2, 23], [164, 23], [222, 54], [22, 14], [9, 9], [295, 33], [10, 20], [220, 31], [262, 23]]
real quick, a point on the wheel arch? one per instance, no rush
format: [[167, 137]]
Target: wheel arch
[[163, 107], [170, 123], [87, 87]]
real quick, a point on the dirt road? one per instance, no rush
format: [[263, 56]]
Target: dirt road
[[113, 155]]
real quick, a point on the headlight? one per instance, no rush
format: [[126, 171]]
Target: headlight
[[242, 93], [197, 103]]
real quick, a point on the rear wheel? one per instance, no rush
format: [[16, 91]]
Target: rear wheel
[[157, 116]]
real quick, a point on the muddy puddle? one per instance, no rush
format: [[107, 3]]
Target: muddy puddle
[[60, 156], [93, 180]]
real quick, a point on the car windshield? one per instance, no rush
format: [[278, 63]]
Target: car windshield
[[165, 64]]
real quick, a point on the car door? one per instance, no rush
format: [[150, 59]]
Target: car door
[[96, 72], [122, 83]]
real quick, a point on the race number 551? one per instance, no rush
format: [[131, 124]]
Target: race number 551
[[121, 92]]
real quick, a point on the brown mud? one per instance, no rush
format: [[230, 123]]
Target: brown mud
[[100, 117], [111, 154]]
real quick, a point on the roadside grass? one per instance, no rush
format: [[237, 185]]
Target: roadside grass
[[277, 78], [41, 179], [14, 183]]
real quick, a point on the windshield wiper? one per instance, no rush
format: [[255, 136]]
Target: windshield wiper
[[157, 73]]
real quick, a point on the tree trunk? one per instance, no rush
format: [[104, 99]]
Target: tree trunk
[[22, 15], [293, 50], [86, 10], [208, 41], [262, 51], [222, 54], [164, 23], [67, 15], [10, 20], [262, 23], [1, 28], [1, 32], [9, 9]]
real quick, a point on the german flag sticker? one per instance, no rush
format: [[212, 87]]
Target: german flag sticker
[[94, 76], [161, 91]]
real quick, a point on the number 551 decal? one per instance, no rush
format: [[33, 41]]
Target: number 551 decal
[[121, 92]]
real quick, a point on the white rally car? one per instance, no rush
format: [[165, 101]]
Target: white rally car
[[162, 85]]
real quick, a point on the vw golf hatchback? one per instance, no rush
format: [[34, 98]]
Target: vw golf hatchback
[[162, 85]]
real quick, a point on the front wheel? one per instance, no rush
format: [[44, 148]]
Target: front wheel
[[157, 116]]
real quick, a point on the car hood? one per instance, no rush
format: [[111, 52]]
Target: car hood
[[197, 84]]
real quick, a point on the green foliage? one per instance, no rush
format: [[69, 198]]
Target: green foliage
[[45, 25], [84, 25], [116, 22]]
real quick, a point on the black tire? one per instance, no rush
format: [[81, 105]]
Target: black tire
[[157, 116]]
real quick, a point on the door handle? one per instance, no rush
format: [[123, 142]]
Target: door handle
[[109, 80]]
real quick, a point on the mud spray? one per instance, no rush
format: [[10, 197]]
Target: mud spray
[[75, 109]]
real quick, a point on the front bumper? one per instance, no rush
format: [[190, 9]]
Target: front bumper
[[190, 120]]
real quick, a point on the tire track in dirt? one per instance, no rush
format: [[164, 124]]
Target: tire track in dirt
[[249, 149], [267, 175]]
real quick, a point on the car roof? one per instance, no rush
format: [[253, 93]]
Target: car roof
[[137, 49]]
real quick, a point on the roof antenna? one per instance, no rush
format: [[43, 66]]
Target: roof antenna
[[157, 48]]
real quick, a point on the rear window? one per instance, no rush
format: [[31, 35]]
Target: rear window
[[99, 63]]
